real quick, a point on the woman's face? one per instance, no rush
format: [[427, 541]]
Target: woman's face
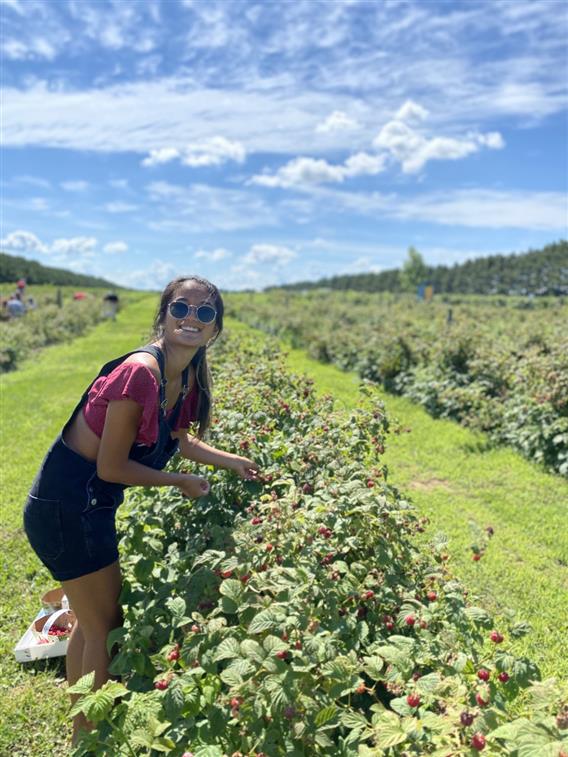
[[189, 331]]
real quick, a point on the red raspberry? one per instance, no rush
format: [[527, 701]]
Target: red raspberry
[[368, 594], [370, 483], [282, 654], [227, 573], [173, 655], [162, 684], [496, 637], [245, 578], [481, 701], [478, 741], [410, 620], [413, 700], [298, 645], [269, 547], [432, 596], [195, 628], [503, 677], [483, 674], [476, 557], [256, 521], [361, 689]]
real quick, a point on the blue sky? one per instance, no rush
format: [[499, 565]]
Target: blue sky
[[258, 143]]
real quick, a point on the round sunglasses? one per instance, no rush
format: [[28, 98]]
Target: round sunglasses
[[179, 309]]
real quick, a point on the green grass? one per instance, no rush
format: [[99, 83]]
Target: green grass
[[524, 568], [454, 477]]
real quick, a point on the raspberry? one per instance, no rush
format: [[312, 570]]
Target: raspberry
[[368, 594], [227, 573], [269, 547], [235, 702], [370, 483], [298, 645], [282, 654], [467, 718], [481, 701], [496, 637], [361, 689], [503, 677], [483, 674], [162, 684], [256, 521], [478, 741], [245, 578], [410, 620], [413, 700], [476, 557], [173, 655], [195, 628], [432, 596]]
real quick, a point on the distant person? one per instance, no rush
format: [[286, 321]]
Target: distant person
[[21, 287], [129, 422], [111, 302], [31, 304], [15, 306]]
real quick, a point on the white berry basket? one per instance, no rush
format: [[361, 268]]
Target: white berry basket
[[37, 643]]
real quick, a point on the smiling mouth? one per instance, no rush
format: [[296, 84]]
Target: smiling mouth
[[190, 329]]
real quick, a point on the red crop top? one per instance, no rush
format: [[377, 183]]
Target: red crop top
[[135, 381]]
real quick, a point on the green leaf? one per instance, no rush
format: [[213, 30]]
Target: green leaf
[[354, 721], [173, 701], [176, 605], [273, 644], [231, 677], [262, 621], [388, 731], [83, 685], [325, 715], [478, 616], [243, 667], [429, 683], [227, 649], [252, 649], [116, 635], [373, 666], [232, 589], [209, 751]]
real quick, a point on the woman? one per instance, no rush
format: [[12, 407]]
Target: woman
[[128, 424]]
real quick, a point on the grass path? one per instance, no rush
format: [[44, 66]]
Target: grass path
[[444, 466], [454, 478]]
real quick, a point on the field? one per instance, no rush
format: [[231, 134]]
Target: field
[[328, 592]]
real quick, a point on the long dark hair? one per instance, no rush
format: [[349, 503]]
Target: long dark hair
[[199, 360]]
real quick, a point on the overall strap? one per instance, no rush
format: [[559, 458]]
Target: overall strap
[[172, 420]]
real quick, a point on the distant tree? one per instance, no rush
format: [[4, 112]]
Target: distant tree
[[414, 271]]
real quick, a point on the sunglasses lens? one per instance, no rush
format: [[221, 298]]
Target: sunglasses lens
[[206, 313], [178, 309]]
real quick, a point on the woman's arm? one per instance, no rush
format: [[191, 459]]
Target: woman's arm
[[196, 450], [114, 465]]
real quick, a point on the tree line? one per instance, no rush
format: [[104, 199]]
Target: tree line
[[13, 268], [538, 272]]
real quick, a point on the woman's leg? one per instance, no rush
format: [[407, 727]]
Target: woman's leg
[[94, 600]]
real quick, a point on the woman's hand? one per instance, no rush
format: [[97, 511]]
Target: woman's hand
[[244, 468], [192, 486]]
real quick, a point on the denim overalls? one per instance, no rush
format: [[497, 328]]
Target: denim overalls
[[69, 516]]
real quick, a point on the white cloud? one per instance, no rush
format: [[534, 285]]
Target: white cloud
[[119, 207], [38, 47], [413, 150], [471, 208], [33, 181], [210, 152], [270, 253], [115, 248], [411, 111], [75, 186], [337, 121], [200, 207], [213, 256], [310, 171], [22, 242], [154, 276], [119, 183], [74, 246]]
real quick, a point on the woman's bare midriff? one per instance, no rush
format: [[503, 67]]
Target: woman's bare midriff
[[81, 439]]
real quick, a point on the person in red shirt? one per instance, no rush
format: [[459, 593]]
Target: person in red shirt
[[129, 422]]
